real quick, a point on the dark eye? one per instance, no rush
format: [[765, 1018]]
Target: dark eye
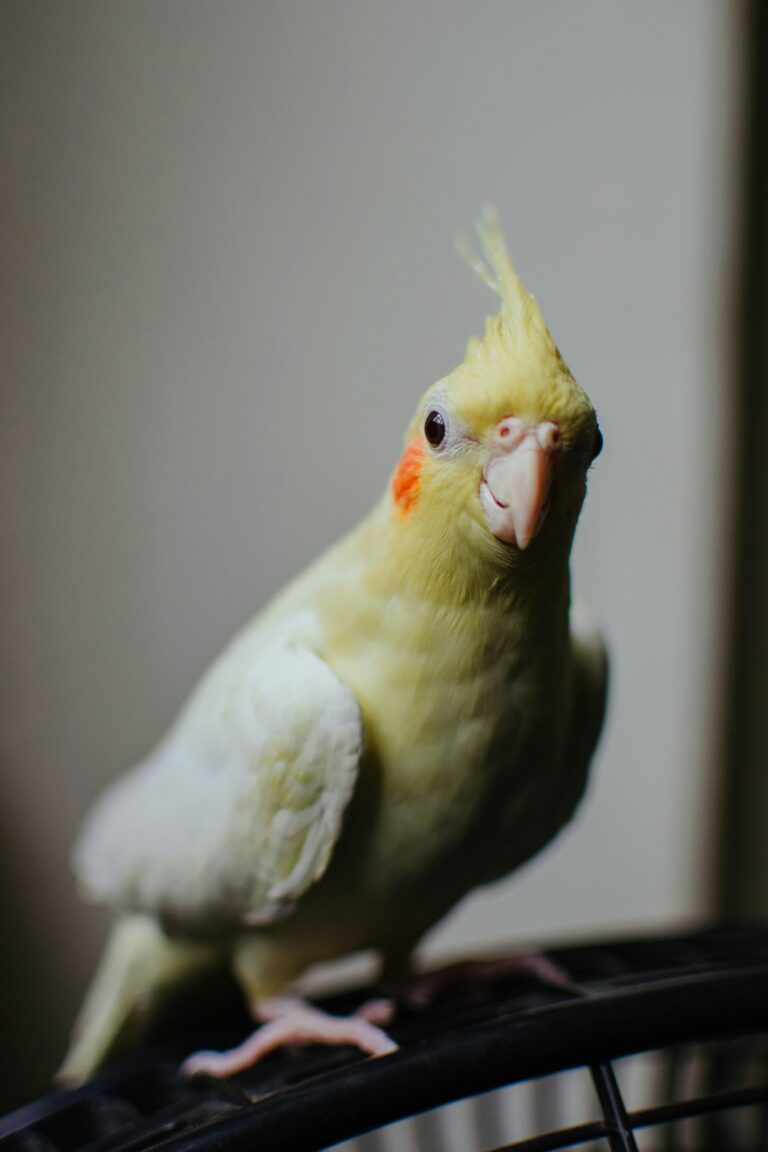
[[434, 428], [597, 446]]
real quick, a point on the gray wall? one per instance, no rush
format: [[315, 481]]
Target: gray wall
[[228, 273]]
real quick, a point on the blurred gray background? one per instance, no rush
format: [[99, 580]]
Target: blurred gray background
[[228, 273]]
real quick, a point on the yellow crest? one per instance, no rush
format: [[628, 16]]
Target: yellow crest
[[519, 322]]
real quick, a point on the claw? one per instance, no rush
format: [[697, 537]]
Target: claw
[[476, 977], [290, 1021]]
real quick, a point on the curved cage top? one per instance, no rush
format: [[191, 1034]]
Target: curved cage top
[[698, 1002]]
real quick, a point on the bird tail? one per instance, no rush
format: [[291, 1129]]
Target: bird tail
[[140, 967]]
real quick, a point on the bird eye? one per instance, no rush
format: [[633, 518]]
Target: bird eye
[[597, 446], [434, 428]]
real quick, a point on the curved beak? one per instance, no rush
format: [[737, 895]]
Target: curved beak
[[517, 480]]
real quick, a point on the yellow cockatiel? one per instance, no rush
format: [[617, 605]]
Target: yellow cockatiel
[[412, 717]]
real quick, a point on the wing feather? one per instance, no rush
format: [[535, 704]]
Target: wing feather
[[589, 690], [237, 812]]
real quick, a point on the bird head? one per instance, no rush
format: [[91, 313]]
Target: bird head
[[497, 453]]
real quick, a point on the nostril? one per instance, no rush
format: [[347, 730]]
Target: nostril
[[548, 436], [510, 430]]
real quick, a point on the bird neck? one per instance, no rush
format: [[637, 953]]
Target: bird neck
[[455, 565]]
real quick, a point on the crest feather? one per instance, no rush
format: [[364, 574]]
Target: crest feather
[[497, 271]]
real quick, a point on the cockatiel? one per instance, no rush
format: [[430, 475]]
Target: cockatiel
[[412, 717]]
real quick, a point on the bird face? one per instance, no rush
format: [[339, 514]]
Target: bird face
[[498, 454]]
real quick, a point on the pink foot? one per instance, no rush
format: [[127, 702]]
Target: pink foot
[[477, 976], [288, 1020]]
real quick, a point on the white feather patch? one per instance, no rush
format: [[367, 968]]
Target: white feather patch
[[237, 812]]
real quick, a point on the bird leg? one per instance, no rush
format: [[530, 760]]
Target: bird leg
[[288, 1020], [475, 977]]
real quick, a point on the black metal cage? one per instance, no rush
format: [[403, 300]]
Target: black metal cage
[[661, 1045]]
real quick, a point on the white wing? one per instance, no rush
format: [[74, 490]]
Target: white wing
[[237, 812]]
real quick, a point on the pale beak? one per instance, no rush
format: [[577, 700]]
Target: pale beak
[[516, 483]]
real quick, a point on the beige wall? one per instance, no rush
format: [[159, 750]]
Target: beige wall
[[228, 273]]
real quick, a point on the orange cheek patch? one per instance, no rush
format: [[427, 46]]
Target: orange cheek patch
[[405, 482]]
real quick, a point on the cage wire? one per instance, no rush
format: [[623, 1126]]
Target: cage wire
[[660, 1046]]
